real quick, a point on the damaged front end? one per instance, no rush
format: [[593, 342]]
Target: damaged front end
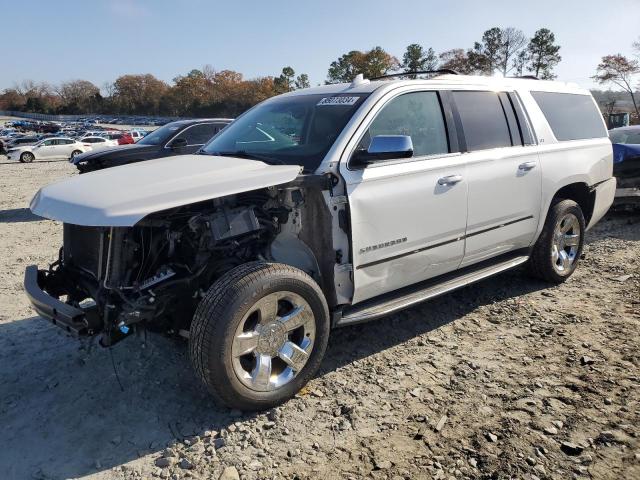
[[116, 280]]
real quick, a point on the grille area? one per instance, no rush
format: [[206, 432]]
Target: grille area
[[83, 248]]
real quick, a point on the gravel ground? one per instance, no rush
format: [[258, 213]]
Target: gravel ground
[[508, 378]]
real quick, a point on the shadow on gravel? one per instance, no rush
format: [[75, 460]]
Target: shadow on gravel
[[18, 215], [63, 414], [5, 162]]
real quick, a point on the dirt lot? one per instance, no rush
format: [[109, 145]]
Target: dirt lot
[[509, 378]]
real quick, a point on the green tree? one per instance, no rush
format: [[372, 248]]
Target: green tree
[[486, 56], [302, 81], [542, 54], [79, 96], [619, 70], [285, 82], [416, 59], [373, 63]]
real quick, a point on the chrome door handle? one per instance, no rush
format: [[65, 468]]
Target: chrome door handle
[[450, 180], [527, 166]]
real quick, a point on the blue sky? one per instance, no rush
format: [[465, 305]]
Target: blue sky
[[99, 40]]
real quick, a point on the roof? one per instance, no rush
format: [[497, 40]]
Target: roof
[[445, 81]]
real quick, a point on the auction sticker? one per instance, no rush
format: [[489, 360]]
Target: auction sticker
[[338, 101]]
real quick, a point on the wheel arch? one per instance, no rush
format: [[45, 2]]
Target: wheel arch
[[580, 193]]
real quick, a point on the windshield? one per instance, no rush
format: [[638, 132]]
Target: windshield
[[293, 130], [161, 135], [625, 136]]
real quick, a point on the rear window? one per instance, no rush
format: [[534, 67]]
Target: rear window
[[571, 116], [483, 120]]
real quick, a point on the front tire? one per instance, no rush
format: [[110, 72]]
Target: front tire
[[556, 254], [27, 157], [259, 335]]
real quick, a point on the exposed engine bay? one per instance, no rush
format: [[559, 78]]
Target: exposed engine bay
[[152, 275]]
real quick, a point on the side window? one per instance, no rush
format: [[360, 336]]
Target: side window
[[198, 134], [571, 116], [68, 141], [483, 120], [418, 115]]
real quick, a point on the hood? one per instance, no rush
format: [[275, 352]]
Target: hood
[[122, 196], [121, 151]]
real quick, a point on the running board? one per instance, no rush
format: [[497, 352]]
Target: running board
[[410, 296]]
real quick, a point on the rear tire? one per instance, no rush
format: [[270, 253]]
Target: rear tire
[[74, 154], [259, 335], [27, 157], [556, 254]]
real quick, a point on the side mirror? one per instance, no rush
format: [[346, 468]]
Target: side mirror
[[178, 143], [385, 147]]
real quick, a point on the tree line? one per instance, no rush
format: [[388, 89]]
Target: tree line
[[204, 92], [505, 50], [208, 92]]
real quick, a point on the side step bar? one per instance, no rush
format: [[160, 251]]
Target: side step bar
[[410, 296]]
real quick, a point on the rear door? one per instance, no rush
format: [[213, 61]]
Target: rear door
[[47, 150], [407, 223], [503, 174]]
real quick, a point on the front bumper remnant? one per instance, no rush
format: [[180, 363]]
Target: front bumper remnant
[[72, 319]]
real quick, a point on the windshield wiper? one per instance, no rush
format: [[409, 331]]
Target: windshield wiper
[[248, 156]]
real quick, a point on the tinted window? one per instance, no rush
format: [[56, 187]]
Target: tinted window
[[571, 116], [418, 115], [198, 134], [483, 120]]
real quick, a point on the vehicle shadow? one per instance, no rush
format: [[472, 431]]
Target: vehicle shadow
[[18, 215], [5, 162], [64, 414]]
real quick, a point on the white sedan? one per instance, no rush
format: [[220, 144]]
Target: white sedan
[[97, 143], [48, 149]]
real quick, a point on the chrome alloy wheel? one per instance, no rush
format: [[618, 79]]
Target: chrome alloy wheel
[[273, 341], [566, 243]]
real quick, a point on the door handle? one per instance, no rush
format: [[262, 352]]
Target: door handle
[[450, 180], [526, 166]]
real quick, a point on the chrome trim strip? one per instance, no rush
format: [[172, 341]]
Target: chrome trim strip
[[440, 244]]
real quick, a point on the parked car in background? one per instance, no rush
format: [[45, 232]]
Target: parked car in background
[[175, 138], [126, 139], [98, 143], [626, 164], [49, 149], [22, 141], [137, 134]]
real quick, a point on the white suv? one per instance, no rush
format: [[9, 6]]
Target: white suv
[[326, 207]]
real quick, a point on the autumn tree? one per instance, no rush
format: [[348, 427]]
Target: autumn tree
[[79, 96], [620, 71], [456, 59], [373, 63], [139, 94], [542, 54], [416, 59]]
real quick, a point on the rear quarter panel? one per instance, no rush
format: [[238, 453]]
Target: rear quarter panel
[[576, 161]]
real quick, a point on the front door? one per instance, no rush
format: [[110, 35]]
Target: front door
[[408, 216]]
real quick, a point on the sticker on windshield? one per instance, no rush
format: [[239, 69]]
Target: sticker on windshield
[[338, 101]]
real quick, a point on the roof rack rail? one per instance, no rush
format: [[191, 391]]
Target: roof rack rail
[[420, 72], [526, 77]]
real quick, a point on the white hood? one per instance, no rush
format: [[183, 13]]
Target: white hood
[[122, 196]]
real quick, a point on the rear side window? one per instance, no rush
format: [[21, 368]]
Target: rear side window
[[418, 115], [198, 134], [571, 116], [483, 120]]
